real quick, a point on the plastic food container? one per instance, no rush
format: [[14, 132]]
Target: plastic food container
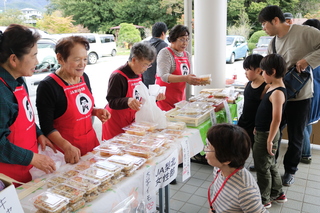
[[128, 137], [139, 150], [135, 130], [50, 202], [82, 165], [70, 192], [78, 205], [104, 187], [55, 180], [147, 125], [70, 173], [118, 178], [179, 125], [173, 132], [109, 166], [138, 161], [107, 150], [87, 184], [90, 197], [125, 162], [98, 174]]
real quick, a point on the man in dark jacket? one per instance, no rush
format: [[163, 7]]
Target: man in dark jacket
[[159, 31]]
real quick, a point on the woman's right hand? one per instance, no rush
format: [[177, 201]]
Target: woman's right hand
[[72, 154], [43, 162]]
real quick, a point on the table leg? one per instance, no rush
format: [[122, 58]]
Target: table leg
[[161, 204], [167, 198]]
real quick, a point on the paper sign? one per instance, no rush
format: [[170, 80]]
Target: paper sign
[[228, 113], [150, 197], [213, 117], [186, 173], [240, 107], [167, 170], [9, 202]]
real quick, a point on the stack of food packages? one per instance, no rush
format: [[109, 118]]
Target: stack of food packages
[[121, 156], [216, 97]]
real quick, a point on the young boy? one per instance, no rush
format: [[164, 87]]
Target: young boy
[[253, 93], [267, 133]]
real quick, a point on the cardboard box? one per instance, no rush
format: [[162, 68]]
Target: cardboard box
[[9, 201], [315, 135]]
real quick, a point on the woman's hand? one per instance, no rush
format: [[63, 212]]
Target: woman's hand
[[43, 162], [160, 97], [71, 153], [134, 104], [193, 80], [102, 114], [44, 141]]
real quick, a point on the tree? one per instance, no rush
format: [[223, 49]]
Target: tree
[[11, 16], [55, 23], [100, 15], [128, 34]]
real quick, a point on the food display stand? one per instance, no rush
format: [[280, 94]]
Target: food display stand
[[135, 186]]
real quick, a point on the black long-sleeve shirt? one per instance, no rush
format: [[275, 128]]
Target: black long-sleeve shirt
[[118, 88], [51, 102]]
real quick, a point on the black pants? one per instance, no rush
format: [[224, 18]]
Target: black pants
[[297, 114]]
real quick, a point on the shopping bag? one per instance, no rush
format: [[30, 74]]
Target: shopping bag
[[149, 111]]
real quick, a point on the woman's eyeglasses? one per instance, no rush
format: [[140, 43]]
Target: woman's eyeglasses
[[183, 40], [207, 149]]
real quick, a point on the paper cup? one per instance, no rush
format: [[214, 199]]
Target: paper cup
[[154, 89]]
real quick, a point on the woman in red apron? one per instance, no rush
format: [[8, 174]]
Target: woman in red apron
[[19, 135], [174, 68], [123, 102], [65, 103]]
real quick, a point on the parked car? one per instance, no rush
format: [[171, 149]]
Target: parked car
[[262, 45], [100, 45], [237, 47]]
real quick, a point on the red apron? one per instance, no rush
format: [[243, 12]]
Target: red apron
[[120, 117], [23, 134], [175, 91], [75, 125]]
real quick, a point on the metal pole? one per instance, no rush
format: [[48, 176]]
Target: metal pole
[[188, 23]]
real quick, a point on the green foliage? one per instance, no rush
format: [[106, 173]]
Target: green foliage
[[55, 23], [128, 34], [255, 36], [251, 46], [100, 15], [241, 27], [11, 17]]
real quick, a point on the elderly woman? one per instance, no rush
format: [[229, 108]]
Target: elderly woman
[[65, 103], [19, 135], [122, 103], [227, 150], [174, 68]]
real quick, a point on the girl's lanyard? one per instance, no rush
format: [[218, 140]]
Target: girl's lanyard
[[224, 183]]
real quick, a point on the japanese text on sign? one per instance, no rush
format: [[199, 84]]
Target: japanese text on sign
[[166, 171]]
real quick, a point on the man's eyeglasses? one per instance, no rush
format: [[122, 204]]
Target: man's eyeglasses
[[207, 149], [183, 40]]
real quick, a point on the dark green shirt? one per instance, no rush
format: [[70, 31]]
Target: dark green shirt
[[10, 153]]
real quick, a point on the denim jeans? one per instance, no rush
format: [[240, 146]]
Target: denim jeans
[[269, 179], [306, 142]]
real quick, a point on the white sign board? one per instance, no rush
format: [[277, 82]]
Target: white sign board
[[9, 201], [167, 170]]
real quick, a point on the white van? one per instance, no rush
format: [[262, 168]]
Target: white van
[[100, 45]]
